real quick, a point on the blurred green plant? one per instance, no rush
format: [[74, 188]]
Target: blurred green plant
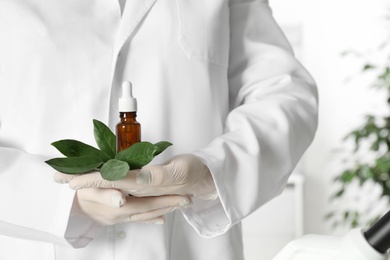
[[372, 137]]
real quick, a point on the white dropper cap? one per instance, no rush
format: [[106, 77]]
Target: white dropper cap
[[127, 103]]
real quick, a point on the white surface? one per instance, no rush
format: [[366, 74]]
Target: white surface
[[352, 246]]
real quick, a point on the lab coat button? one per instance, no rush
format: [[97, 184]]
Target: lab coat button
[[121, 234]]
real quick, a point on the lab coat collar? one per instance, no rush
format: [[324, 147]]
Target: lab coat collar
[[133, 13]]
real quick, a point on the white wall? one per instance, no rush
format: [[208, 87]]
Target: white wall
[[325, 29]]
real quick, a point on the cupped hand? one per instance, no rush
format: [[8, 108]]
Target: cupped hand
[[111, 206], [182, 175]]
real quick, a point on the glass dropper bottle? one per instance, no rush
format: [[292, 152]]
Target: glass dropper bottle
[[128, 130]]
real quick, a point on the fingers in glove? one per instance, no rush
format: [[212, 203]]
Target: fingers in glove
[[153, 175], [176, 171], [90, 180], [159, 220], [162, 205], [145, 209], [138, 205], [109, 197], [149, 216], [95, 180], [98, 204], [62, 178], [154, 181], [184, 174]]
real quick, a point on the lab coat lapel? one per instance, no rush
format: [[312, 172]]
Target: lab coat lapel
[[134, 12]]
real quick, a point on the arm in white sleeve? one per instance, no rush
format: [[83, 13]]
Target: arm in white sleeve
[[34, 207], [272, 122]]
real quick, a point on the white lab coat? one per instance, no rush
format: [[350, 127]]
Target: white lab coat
[[214, 77]]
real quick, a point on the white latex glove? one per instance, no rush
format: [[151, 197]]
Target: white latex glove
[[110, 206], [183, 175]]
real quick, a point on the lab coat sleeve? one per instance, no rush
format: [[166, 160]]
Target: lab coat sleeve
[[272, 121], [34, 207]]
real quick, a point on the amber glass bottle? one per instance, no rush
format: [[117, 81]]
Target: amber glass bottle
[[128, 130]]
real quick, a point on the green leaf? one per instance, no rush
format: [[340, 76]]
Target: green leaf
[[114, 170], [75, 165], [161, 146], [346, 215], [347, 176], [355, 220], [105, 138], [138, 155], [329, 215], [338, 193], [74, 148], [382, 164], [368, 67]]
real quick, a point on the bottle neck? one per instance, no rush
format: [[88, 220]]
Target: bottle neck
[[127, 116]]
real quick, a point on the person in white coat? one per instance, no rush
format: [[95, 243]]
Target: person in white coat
[[217, 78]]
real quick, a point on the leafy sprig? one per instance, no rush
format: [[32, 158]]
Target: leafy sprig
[[82, 158]]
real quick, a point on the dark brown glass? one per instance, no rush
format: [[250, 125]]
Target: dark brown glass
[[128, 131]]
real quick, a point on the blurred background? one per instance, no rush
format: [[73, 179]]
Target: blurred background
[[346, 47]]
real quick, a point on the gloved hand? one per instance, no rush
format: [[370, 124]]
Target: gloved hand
[[110, 206], [182, 175]]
